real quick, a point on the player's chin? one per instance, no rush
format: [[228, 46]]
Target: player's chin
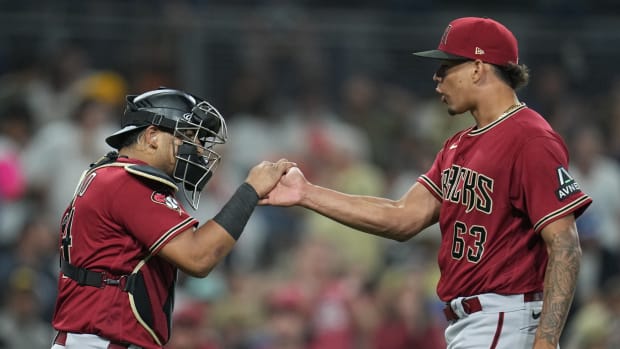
[[453, 112]]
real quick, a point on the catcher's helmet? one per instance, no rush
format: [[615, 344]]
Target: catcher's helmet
[[193, 120]]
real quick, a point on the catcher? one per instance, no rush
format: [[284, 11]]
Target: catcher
[[124, 234]]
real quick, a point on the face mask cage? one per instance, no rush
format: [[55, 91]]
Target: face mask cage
[[199, 132]]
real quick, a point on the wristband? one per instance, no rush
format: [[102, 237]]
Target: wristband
[[236, 212]]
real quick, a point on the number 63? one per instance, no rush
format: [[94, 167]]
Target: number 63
[[474, 245]]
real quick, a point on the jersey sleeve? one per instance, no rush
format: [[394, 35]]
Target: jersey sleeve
[[432, 178], [542, 187], [153, 217]]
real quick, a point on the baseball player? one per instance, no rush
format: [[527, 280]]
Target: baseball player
[[124, 234], [500, 191]]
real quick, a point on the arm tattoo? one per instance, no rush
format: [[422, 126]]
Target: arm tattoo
[[560, 282]]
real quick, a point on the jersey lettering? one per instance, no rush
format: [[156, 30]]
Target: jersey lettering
[[484, 203], [469, 190], [85, 183], [464, 186], [456, 189]]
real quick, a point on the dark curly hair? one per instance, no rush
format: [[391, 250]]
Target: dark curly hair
[[515, 75]]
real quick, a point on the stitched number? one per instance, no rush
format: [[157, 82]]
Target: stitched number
[[67, 219], [458, 242], [67, 222], [474, 253], [474, 245]]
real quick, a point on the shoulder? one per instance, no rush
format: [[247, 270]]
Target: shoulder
[[527, 127], [456, 137], [152, 177], [530, 123], [136, 174]]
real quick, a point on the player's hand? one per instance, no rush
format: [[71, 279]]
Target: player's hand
[[264, 176], [289, 191]]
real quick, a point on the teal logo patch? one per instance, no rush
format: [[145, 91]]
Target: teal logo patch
[[568, 185]]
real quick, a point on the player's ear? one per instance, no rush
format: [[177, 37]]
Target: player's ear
[[151, 135], [478, 70]]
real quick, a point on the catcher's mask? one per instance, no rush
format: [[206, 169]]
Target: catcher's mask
[[189, 118]]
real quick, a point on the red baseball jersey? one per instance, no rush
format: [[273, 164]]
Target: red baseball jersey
[[499, 186], [118, 222]]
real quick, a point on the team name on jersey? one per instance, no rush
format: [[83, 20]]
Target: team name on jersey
[[465, 186]]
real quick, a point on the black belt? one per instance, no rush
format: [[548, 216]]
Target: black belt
[[472, 305], [87, 277]]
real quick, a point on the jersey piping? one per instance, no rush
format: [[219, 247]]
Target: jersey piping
[[87, 172], [136, 171], [435, 190], [560, 212], [502, 118], [134, 308], [162, 240]]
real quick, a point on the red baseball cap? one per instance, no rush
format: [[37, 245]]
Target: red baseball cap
[[476, 38]]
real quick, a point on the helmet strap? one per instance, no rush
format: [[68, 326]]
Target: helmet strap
[[137, 117]]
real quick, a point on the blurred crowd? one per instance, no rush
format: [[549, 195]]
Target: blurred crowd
[[295, 280]]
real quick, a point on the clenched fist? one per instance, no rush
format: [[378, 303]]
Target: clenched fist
[[289, 190], [264, 176]]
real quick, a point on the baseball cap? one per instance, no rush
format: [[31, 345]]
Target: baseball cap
[[476, 38]]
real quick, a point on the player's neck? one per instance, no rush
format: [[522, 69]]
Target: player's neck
[[489, 110], [133, 153]]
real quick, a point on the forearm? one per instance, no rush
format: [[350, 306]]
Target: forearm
[[378, 216], [213, 244], [560, 282]]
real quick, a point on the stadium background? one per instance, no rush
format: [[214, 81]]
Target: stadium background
[[330, 84]]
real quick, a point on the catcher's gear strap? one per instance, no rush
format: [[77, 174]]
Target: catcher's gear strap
[[235, 214], [140, 301], [88, 277], [145, 118], [152, 174], [108, 158]]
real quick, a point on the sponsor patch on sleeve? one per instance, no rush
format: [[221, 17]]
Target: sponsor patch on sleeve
[[568, 185], [167, 200]]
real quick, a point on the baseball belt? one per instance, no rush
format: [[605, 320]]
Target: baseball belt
[[61, 339], [472, 305]]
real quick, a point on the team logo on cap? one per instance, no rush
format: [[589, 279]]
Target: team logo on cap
[[478, 51], [444, 37]]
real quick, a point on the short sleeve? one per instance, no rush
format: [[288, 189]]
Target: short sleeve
[[153, 217], [432, 178], [542, 186]]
